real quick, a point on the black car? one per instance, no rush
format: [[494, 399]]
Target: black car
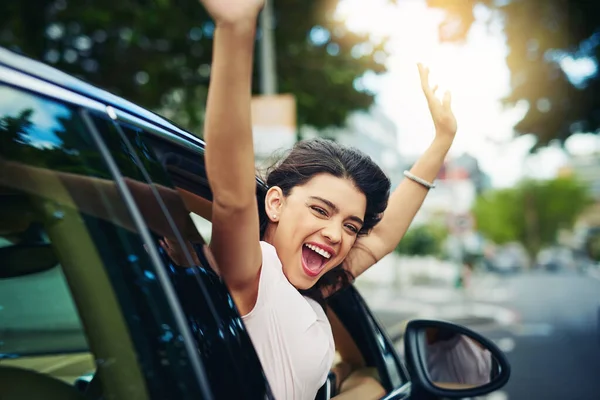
[[103, 292]]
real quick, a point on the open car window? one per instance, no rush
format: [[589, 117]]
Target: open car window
[[186, 172], [178, 215]]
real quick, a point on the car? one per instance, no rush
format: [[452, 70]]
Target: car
[[102, 293], [556, 258], [508, 259]]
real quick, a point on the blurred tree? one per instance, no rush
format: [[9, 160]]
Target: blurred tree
[[158, 53], [541, 36], [423, 240], [532, 212]]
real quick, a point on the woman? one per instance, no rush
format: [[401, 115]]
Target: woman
[[323, 214]]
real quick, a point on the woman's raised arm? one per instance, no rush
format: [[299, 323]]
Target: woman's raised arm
[[408, 197], [229, 149]]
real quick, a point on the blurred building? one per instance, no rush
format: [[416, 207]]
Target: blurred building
[[586, 168], [466, 166], [457, 185], [373, 133], [273, 127], [459, 182]]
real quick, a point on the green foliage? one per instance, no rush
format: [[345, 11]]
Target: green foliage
[[539, 35], [158, 54], [423, 240], [532, 212]]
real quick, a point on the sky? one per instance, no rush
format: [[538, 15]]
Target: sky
[[477, 76], [44, 117]]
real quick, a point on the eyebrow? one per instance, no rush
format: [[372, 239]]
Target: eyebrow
[[335, 208]]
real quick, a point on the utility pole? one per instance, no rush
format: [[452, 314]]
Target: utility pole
[[268, 69]]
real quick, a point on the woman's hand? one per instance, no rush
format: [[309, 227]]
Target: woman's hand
[[233, 12], [441, 111], [176, 253]]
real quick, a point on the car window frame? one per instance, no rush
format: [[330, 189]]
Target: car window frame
[[151, 135], [144, 232], [367, 322], [371, 340]]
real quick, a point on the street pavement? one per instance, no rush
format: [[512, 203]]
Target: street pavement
[[546, 323], [480, 305], [554, 348]]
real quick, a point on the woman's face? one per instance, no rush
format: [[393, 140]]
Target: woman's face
[[316, 225]]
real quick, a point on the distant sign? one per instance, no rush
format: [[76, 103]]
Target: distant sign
[[461, 223], [273, 123], [457, 173]]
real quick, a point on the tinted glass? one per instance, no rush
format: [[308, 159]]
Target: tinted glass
[[231, 364], [76, 280]]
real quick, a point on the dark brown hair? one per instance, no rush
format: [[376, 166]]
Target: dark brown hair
[[311, 157]]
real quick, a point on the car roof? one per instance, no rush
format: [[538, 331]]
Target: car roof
[[52, 75]]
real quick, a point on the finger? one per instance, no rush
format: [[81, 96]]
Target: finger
[[435, 88], [447, 100], [424, 75]]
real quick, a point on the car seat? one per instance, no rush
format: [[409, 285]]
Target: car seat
[[20, 384]]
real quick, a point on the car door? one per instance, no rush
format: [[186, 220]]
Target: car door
[[83, 294], [232, 367], [373, 343]]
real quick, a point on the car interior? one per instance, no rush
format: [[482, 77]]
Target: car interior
[[49, 348]]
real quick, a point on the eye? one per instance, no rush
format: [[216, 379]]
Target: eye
[[352, 228], [319, 210]]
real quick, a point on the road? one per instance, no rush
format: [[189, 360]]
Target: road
[[554, 348], [547, 323]]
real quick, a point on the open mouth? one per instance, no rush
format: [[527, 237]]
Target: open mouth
[[314, 259]]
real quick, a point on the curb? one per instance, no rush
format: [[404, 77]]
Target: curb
[[477, 316]]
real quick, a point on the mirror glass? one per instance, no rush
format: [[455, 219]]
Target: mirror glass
[[25, 259], [456, 361], [24, 247]]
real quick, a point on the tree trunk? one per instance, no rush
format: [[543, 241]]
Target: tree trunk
[[532, 236]]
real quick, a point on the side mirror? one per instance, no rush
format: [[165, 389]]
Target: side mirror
[[26, 259], [446, 360]]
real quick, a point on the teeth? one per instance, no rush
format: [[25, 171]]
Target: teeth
[[319, 250]]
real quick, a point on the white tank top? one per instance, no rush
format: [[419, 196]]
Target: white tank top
[[290, 332]]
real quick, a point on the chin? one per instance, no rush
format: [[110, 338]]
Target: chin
[[300, 281]]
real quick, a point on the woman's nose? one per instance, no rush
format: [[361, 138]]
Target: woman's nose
[[333, 232]]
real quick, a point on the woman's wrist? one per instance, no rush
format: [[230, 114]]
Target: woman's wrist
[[442, 143], [239, 32], [240, 26], [437, 150], [429, 164]]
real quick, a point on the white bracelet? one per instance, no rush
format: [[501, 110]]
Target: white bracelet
[[420, 181]]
